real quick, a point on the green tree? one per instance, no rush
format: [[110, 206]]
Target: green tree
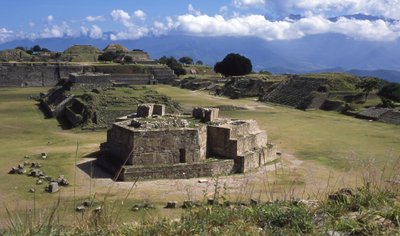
[[186, 60], [128, 59], [234, 65], [36, 48], [390, 91], [367, 85], [172, 63], [107, 56], [199, 62]]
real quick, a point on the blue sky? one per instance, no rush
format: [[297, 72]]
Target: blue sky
[[132, 19]]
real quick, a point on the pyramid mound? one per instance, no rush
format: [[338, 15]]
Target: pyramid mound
[[113, 47], [82, 49]]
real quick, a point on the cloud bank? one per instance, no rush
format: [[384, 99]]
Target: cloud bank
[[123, 25]]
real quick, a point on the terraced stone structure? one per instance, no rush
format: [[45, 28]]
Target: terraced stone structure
[[152, 145]]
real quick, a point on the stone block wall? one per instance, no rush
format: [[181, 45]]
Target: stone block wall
[[34, 74], [162, 147], [243, 128], [251, 142], [48, 74], [145, 110], [219, 142], [208, 168], [119, 145], [89, 78]]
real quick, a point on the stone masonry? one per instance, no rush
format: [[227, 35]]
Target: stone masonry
[[151, 144]]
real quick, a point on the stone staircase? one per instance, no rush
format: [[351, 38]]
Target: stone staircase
[[163, 75], [297, 92]]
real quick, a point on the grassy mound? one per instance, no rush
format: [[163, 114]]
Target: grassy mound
[[101, 107], [82, 49]]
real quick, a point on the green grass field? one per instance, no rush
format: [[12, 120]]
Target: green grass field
[[320, 138]]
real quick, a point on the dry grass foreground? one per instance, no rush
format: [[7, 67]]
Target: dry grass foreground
[[321, 151]]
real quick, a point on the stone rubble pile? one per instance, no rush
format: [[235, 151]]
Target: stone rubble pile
[[33, 169]]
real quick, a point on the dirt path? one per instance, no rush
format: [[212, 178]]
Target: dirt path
[[288, 176]]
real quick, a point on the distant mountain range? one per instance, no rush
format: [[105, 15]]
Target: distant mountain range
[[324, 52]]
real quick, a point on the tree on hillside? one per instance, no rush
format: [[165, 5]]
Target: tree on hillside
[[186, 60], [128, 59], [36, 48], [367, 85], [233, 65], [199, 62], [21, 48], [390, 91], [172, 63], [107, 56]]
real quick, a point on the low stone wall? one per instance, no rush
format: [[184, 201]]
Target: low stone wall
[[34, 74], [72, 117], [255, 159], [207, 168], [48, 74]]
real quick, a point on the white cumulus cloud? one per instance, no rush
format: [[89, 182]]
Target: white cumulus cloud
[[121, 16], [140, 14], [94, 18], [6, 35], [58, 31], [50, 18], [259, 26], [162, 28], [133, 30], [193, 11], [386, 8], [95, 32], [248, 3]]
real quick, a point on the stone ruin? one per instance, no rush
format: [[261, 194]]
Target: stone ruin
[[152, 145]]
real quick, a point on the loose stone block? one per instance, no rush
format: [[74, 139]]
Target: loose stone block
[[145, 110], [171, 204], [52, 187]]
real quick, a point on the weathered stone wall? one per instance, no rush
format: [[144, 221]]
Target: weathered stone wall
[[157, 147], [119, 145], [34, 74], [251, 142], [235, 138], [207, 168], [242, 128], [89, 78], [48, 74], [254, 159], [219, 142], [153, 147]]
